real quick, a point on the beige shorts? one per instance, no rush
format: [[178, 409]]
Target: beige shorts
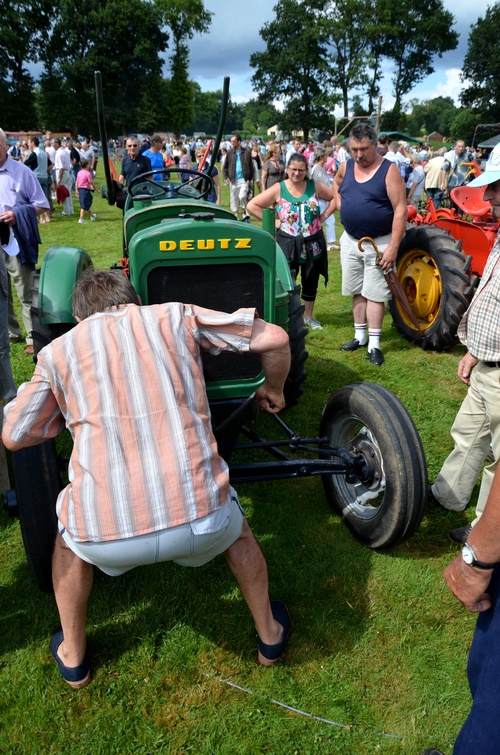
[[360, 273]]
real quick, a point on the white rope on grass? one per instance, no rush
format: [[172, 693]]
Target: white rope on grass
[[348, 727]]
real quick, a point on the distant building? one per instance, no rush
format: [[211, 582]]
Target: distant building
[[434, 137]]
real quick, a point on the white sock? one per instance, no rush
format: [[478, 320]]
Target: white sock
[[360, 332], [374, 338]]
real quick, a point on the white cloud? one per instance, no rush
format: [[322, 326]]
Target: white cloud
[[451, 87]]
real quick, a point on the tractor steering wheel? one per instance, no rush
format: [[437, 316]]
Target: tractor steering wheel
[[170, 189]]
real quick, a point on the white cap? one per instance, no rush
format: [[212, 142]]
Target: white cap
[[492, 170]]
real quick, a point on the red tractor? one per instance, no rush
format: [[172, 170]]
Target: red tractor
[[440, 259]]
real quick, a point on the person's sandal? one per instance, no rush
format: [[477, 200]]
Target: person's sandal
[[269, 654], [77, 676]]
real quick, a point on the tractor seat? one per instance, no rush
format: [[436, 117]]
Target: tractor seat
[[470, 200]]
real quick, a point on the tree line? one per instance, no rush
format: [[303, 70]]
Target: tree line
[[331, 53], [319, 56], [127, 40]]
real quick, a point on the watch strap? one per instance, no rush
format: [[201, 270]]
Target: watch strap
[[476, 563]]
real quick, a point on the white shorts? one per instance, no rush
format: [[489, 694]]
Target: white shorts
[[360, 273], [192, 544]]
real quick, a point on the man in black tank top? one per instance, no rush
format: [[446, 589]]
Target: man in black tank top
[[372, 198]]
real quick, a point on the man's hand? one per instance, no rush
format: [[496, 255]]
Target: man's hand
[[8, 217], [272, 343], [388, 259], [469, 585], [465, 367], [269, 400]]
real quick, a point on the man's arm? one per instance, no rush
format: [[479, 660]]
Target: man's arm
[[468, 583], [397, 194], [272, 343], [445, 167], [33, 416]]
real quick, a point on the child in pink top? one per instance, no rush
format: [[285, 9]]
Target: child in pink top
[[85, 185]]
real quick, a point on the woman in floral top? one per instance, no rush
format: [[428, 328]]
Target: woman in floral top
[[300, 234]]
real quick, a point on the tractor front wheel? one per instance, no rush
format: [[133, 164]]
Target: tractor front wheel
[[386, 504], [436, 277]]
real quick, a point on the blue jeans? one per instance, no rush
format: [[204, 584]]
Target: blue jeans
[[436, 195], [480, 733]]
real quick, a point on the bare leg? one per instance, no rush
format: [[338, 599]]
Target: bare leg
[[72, 580], [308, 309], [249, 568], [374, 313], [359, 305]]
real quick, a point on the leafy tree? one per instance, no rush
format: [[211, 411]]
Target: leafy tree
[[268, 117], [481, 68], [464, 124], [83, 36], [207, 107], [249, 127], [349, 26], [181, 109], [152, 111], [431, 115], [294, 68], [183, 18], [412, 40], [393, 120], [262, 113], [22, 31], [235, 117], [357, 107]]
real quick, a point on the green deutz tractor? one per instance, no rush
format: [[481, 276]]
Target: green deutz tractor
[[179, 247]]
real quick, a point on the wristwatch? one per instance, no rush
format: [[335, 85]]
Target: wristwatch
[[469, 557]]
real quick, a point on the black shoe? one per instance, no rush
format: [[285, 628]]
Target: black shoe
[[352, 345], [433, 751], [460, 534], [246, 218], [376, 357]]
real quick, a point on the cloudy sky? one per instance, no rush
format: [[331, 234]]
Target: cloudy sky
[[234, 35]]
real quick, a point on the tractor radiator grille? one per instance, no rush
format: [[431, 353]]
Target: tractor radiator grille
[[220, 287]]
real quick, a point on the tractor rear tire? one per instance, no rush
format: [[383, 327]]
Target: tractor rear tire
[[294, 387], [436, 276], [387, 506], [37, 484]]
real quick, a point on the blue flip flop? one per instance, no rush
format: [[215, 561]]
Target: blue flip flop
[[77, 676], [273, 653]]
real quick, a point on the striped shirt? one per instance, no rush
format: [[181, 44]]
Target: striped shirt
[[128, 384], [479, 328]]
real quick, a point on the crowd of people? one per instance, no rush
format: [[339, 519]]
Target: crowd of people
[[194, 514], [258, 175], [56, 163]]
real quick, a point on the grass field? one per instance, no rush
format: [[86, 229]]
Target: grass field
[[377, 654]]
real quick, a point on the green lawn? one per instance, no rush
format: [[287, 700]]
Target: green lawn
[[377, 654]]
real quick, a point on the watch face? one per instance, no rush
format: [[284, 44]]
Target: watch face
[[467, 554]]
